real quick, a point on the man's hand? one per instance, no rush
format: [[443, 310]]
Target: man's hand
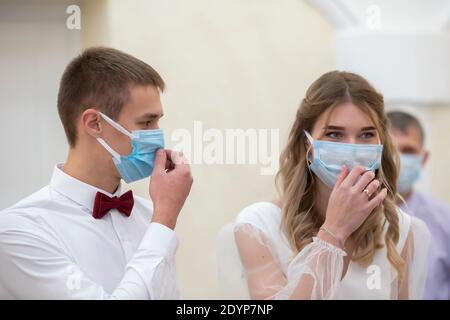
[[170, 185]]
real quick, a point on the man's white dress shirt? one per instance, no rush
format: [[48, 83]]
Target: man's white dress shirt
[[52, 248]]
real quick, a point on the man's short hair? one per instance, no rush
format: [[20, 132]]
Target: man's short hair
[[100, 78], [403, 121]]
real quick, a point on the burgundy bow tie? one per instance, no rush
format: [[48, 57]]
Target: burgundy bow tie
[[104, 203]]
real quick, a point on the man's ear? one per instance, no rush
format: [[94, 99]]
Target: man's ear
[[426, 155], [90, 120]]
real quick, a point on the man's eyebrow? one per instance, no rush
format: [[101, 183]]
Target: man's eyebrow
[[151, 116]]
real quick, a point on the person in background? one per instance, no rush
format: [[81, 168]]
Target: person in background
[[409, 137]]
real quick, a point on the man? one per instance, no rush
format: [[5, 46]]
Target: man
[[408, 135], [82, 236]]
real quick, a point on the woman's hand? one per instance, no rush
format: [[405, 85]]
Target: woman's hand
[[349, 204]]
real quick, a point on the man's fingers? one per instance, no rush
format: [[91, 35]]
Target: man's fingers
[[160, 160], [178, 158], [169, 163], [178, 161], [169, 153]]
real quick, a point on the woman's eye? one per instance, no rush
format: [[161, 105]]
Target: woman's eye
[[333, 135], [367, 135], [147, 123]]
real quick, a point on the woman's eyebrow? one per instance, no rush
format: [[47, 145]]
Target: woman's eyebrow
[[334, 128], [368, 129]]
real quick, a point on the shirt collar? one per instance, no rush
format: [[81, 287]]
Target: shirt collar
[[76, 190]]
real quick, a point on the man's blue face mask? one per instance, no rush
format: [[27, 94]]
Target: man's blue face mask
[[410, 169], [140, 162], [329, 157]]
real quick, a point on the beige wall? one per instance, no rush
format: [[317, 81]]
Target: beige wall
[[35, 46], [230, 64], [439, 145]]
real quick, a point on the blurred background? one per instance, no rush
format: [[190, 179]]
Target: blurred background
[[230, 64]]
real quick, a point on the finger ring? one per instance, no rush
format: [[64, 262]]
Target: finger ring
[[366, 191]]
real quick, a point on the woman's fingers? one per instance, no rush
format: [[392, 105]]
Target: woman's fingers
[[342, 175], [372, 187], [377, 200], [366, 178], [350, 180]]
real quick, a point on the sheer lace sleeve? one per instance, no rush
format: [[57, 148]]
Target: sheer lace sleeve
[[415, 251], [255, 263], [313, 273]]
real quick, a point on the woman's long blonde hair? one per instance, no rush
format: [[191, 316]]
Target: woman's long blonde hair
[[297, 185]]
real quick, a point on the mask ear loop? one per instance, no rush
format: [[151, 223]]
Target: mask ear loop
[[118, 127], [308, 161], [108, 148], [311, 142]]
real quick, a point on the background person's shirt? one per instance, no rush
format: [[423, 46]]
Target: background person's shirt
[[52, 248], [436, 215]]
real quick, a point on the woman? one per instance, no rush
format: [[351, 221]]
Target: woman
[[336, 232]]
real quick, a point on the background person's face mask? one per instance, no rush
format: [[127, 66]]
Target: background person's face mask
[[410, 169], [139, 163], [329, 157]]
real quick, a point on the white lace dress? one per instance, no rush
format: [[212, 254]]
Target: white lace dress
[[273, 271]]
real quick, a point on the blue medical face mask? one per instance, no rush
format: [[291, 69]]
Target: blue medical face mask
[[410, 168], [140, 162], [329, 157]]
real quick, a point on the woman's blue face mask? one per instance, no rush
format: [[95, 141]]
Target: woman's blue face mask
[[329, 157], [140, 162]]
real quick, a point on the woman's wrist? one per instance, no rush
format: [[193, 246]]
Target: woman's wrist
[[340, 231], [338, 236], [322, 235]]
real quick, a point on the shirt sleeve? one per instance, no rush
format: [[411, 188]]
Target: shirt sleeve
[[33, 265]]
